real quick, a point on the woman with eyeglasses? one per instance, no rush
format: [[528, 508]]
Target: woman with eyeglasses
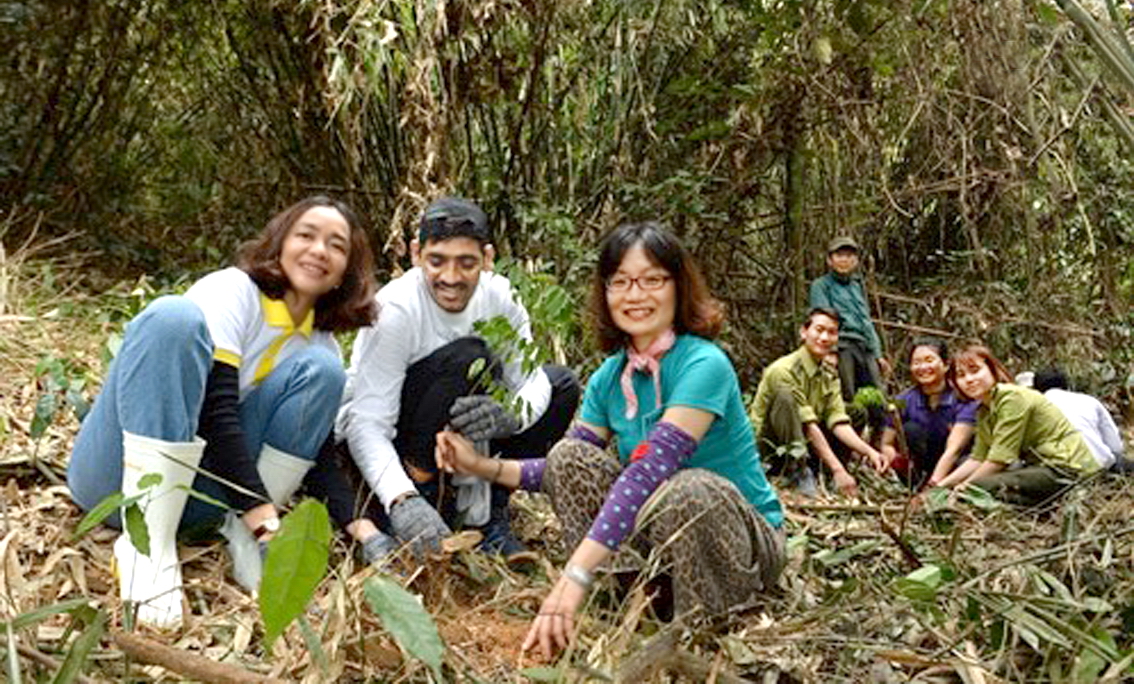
[[684, 479]]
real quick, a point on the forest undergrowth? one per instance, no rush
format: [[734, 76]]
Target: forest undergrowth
[[970, 591]]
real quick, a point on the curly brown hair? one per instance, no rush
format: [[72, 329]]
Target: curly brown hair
[[349, 306], [697, 312]]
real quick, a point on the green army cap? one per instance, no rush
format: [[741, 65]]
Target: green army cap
[[842, 242]]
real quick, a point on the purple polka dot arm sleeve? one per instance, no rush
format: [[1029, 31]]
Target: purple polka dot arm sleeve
[[531, 473], [654, 461], [585, 434], [531, 469]]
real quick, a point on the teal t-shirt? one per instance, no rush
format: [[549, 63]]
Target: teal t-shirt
[[694, 373]]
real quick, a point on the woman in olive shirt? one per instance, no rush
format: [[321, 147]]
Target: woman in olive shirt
[[1015, 424]]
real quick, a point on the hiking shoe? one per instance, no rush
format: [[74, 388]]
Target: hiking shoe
[[498, 537], [803, 481]]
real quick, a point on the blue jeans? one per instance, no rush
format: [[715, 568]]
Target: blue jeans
[[156, 386]]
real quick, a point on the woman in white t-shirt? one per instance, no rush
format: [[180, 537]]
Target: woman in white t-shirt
[[229, 390]]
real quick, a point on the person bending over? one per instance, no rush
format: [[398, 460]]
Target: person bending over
[[798, 396], [1087, 415], [1016, 426], [937, 423], [239, 378], [409, 379], [686, 481]]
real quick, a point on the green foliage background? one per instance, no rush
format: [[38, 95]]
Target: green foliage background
[[966, 144]]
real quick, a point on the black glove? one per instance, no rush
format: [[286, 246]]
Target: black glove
[[417, 523], [480, 419]]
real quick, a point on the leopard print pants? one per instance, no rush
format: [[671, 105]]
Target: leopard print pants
[[697, 527]]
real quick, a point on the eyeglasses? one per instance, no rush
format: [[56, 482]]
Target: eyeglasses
[[621, 283]]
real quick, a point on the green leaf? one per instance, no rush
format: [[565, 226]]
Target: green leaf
[[314, 646], [296, 563], [78, 404], [149, 480], [542, 674], [830, 558], [403, 616], [206, 498], [102, 511], [80, 649], [134, 522], [921, 584], [13, 655], [1047, 13], [475, 369], [44, 415], [113, 345], [869, 397], [980, 498], [33, 616]]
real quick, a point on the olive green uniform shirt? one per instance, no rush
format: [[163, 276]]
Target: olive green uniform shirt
[[813, 385], [1019, 423]]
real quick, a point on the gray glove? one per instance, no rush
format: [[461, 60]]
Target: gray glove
[[417, 523], [480, 418], [378, 547]]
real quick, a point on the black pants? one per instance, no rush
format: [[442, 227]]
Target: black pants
[[857, 368], [430, 388], [782, 428]]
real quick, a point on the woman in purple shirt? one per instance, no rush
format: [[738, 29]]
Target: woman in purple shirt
[[937, 421]]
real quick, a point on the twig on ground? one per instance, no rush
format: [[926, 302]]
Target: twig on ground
[[189, 664], [908, 553]]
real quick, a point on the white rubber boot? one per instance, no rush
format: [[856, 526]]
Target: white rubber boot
[[281, 474], [154, 582]]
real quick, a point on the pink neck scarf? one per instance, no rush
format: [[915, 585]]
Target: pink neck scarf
[[648, 362]]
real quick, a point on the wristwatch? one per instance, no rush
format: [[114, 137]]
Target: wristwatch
[[269, 526]]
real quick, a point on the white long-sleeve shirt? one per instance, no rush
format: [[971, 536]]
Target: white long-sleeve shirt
[[1093, 421], [410, 327]]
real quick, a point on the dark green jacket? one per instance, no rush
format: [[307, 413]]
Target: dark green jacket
[[847, 296]]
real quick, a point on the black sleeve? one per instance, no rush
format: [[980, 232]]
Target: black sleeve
[[327, 483], [226, 453]]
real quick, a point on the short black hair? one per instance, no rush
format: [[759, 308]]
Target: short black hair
[[821, 311], [451, 217], [1049, 378], [935, 343]]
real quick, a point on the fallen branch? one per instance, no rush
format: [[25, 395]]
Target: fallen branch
[[917, 328], [845, 508], [912, 559], [662, 654], [191, 665]]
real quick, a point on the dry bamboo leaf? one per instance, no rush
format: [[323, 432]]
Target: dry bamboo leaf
[[241, 637], [78, 572], [12, 581]]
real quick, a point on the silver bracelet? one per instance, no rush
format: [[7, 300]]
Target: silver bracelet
[[579, 575]]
